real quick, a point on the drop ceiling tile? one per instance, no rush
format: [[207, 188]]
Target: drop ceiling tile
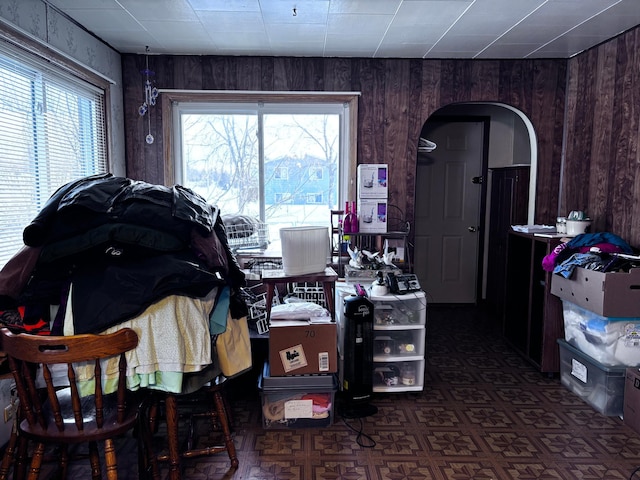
[[299, 33], [625, 8], [226, 40], [86, 4], [226, 5], [231, 21], [567, 12], [462, 43], [307, 11], [346, 41], [111, 20], [177, 30], [176, 46], [614, 24], [387, 7], [532, 34], [483, 25], [508, 50], [401, 51], [433, 12], [134, 42], [159, 9], [413, 35], [302, 48], [453, 54], [362, 24], [571, 44]]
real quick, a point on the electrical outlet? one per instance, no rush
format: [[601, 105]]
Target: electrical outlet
[[9, 412]]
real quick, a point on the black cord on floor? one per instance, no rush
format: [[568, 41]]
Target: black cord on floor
[[633, 473], [360, 434]]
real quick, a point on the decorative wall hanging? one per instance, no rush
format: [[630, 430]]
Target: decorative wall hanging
[[150, 96]]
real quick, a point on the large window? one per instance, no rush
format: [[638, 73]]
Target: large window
[[286, 163], [52, 131]]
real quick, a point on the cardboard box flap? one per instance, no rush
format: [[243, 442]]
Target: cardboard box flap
[[612, 294]]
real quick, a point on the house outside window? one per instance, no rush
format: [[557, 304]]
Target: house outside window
[[281, 173], [315, 198], [316, 173]]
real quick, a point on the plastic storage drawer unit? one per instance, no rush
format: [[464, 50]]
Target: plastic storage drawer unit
[[599, 385], [298, 401]]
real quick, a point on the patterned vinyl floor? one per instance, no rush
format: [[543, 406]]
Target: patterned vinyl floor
[[485, 413]]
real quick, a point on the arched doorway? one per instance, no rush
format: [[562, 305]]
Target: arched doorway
[[462, 213]]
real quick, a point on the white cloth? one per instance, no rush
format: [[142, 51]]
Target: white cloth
[[173, 336]]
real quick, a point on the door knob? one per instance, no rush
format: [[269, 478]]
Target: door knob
[[472, 229]]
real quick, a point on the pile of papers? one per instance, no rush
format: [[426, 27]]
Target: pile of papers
[[534, 228]]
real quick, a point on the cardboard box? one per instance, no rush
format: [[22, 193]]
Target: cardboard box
[[372, 215], [373, 180], [298, 347], [395, 246], [631, 410], [614, 294], [301, 401]]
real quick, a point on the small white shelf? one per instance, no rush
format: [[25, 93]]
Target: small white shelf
[[399, 321]]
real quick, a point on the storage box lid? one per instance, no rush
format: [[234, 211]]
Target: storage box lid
[[615, 370], [307, 383]]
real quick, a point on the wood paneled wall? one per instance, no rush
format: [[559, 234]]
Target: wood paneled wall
[[601, 169], [397, 97]]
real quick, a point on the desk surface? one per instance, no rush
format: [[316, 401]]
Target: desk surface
[[272, 276]]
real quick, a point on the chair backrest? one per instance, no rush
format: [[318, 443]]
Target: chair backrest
[[26, 353]]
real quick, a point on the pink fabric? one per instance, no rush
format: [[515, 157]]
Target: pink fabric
[[549, 261]]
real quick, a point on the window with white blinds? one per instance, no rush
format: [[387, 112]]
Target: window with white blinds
[[52, 131]]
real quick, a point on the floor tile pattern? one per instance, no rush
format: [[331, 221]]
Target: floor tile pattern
[[485, 414]]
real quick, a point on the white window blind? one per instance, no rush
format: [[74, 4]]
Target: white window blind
[[52, 131]]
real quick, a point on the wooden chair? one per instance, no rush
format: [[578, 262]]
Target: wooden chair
[[207, 402], [59, 414]]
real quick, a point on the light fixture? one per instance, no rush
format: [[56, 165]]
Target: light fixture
[[150, 96]]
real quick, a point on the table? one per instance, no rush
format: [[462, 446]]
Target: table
[[328, 279]]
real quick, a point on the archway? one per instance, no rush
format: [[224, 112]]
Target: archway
[[511, 152]]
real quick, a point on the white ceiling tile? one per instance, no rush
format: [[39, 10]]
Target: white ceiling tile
[[451, 54], [431, 12], [307, 11], [112, 20], [401, 51], [508, 50], [462, 43], [226, 5], [531, 34], [86, 4], [231, 21], [384, 7], [159, 9], [293, 33], [362, 24], [413, 35], [134, 42]]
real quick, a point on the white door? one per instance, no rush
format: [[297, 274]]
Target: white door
[[448, 208]]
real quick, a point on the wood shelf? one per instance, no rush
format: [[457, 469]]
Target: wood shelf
[[532, 320]]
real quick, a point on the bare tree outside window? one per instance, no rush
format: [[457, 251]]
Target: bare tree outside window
[[221, 158]]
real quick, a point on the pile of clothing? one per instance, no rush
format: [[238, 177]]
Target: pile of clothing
[[594, 251], [109, 252]]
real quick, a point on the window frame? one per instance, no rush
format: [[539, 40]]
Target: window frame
[[59, 70], [169, 97]]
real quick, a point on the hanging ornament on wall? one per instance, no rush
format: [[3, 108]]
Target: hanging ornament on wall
[[150, 96]]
